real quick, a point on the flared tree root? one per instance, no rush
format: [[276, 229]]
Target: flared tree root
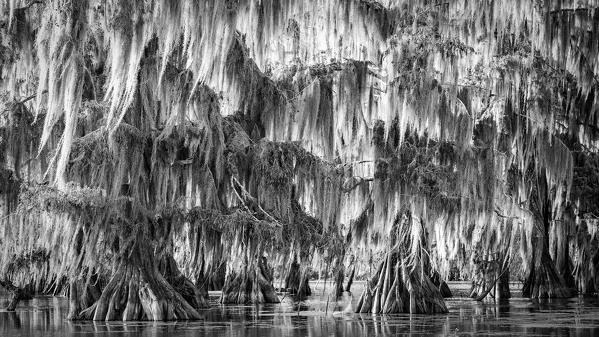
[[251, 284], [196, 295], [544, 281], [397, 289], [138, 291]]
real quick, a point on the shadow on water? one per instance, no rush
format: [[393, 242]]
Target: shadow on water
[[45, 316]]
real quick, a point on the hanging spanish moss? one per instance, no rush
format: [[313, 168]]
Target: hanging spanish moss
[[152, 151]]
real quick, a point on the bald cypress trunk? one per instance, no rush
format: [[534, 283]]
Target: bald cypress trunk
[[394, 288], [544, 281], [297, 281], [251, 283], [137, 290]]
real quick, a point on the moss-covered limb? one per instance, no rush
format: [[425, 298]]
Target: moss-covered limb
[[250, 91], [19, 133], [275, 162], [431, 168], [358, 31]]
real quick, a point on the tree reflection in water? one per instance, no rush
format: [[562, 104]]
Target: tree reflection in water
[[45, 316]]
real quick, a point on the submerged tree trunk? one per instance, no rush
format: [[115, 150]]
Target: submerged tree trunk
[[252, 283], [395, 288], [297, 281]]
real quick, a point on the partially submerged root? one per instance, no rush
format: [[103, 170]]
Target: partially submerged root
[[396, 289], [251, 284]]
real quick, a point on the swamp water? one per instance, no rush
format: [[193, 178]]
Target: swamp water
[[321, 316]]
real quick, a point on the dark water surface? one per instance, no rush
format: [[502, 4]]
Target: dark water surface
[[45, 316]]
